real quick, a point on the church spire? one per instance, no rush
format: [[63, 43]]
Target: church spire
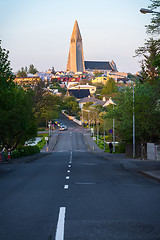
[[75, 61]]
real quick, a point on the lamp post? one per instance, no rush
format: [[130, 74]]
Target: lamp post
[[145, 10], [104, 134], [113, 133], [49, 125], [97, 128], [133, 125], [93, 125]]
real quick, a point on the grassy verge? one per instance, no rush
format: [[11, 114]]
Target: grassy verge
[[42, 143]]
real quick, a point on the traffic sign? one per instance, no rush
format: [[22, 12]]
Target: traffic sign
[[110, 131]]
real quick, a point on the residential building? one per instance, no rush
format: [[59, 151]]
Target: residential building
[[27, 81], [85, 100], [101, 79], [91, 88], [78, 93]]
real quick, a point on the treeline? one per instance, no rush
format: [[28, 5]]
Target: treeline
[[21, 110]]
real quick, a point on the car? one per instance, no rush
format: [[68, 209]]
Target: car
[[65, 127], [61, 128]]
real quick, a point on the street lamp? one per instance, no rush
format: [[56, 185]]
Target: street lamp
[[49, 125], [133, 125], [145, 10]]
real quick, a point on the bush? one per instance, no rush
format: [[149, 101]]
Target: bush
[[14, 154], [120, 148], [25, 151]]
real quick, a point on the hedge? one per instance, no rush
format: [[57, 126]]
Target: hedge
[[25, 151]]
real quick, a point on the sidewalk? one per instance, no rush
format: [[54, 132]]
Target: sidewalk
[[148, 168], [52, 143]]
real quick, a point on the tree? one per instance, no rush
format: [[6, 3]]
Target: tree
[[146, 110], [97, 73], [32, 69], [22, 73], [150, 64], [71, 106], [17, 122], [6, 75], [45, 105], [154, 27], [109, 88]]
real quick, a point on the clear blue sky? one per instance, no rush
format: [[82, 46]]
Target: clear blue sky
[[38, 32]]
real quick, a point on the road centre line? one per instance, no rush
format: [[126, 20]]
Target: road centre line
[[60, 224], [70, 157], [67, 177], [68, 171], [66, 186]]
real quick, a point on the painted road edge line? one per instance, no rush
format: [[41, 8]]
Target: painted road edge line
[[60, 224]]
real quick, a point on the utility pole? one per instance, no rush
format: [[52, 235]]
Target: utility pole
[[113, 133], [104, 135], [93, 125], [133, 125], [97, 129]]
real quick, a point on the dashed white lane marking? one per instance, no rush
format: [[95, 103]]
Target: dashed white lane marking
[[71, 157], [67, 177], [66, 186], [60, 224], [69, 165], [68, 171], [85, 183]]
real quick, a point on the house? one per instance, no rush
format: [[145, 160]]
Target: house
[[101, 79], [92, 89], [78, 93], [85, 100], [27, 81], [104, 102]]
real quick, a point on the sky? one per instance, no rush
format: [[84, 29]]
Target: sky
[[38, 32]]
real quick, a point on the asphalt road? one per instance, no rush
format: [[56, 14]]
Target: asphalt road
[[73, 194]]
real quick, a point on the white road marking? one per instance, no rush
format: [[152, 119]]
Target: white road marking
[[66, 186], [60, 224], [68, 171], [69, 165], [85, 183], [67, 177], [70, 157]]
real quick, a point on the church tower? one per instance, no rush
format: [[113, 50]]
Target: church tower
[[75, 61]]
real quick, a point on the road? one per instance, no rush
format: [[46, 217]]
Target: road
[[73, 194]]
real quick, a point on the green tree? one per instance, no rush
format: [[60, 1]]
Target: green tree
[[146, 110], [32, 69], [154, 26], [97, 73], [17, 123], [22, 73], [109, 88], [150, 64], [71, 106], [6, 75], [45, 105]]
